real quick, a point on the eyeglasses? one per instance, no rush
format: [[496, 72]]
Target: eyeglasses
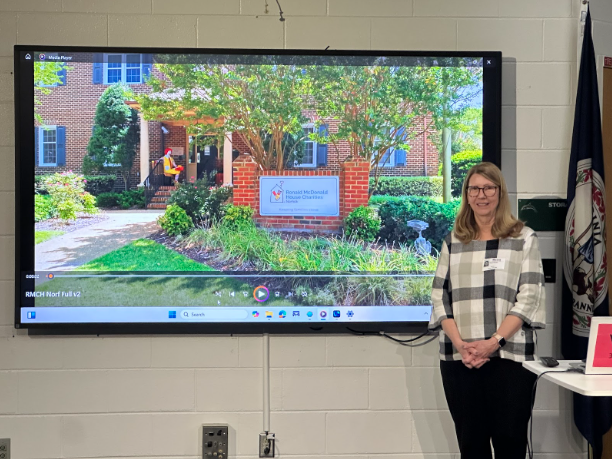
[[488, 191]]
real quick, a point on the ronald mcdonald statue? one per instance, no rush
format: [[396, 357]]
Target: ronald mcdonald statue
[[170, 167]]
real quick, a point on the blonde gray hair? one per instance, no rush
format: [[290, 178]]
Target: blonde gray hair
[[505, 224]]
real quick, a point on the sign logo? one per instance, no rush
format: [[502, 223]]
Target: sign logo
[[276, 194], [292, 196], [529, 207]]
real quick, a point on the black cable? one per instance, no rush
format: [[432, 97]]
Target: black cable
[[403, 342], [282, 19]]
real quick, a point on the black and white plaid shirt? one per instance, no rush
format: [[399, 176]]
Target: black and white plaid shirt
[[479, 283]]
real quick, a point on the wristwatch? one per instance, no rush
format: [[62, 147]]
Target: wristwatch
[[500, 339]]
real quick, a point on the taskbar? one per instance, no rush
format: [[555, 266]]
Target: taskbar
[[169, 314]]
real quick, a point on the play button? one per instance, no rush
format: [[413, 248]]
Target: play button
[[261, 294]]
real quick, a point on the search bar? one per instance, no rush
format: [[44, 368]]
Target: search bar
[[214, 314]]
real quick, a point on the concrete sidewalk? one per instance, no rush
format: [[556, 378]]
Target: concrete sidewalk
[[74, 249]]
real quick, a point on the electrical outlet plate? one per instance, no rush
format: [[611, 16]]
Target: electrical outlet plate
[[266, 441], [214, 441], [5, 448]]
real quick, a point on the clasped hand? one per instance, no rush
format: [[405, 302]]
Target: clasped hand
[[476, 353]]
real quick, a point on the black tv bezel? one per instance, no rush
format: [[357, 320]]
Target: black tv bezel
[[24, 180]]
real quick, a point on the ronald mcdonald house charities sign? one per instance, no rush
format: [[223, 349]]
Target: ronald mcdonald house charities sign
[[299, 196]]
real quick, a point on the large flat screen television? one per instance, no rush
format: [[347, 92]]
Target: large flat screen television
[[241, 191]]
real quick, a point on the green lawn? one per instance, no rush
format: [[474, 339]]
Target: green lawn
[[180, 291], [144, 255], [42, 236]]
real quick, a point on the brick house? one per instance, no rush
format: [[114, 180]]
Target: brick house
[[421, 160], [68, 113]]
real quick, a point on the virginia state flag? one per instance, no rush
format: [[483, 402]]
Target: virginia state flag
[[585, 287]]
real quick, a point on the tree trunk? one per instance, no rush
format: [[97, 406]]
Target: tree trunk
[[446, 164], [126, 179]]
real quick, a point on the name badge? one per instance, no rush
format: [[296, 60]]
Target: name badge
[[493, 263]]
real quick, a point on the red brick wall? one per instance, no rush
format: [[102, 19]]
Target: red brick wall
[[353, 192], [73, 105]]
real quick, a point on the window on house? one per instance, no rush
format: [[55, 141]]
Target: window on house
[[393, 156], [310, 148], [48, 146], [387, 159], [126, 68], [51, 145]]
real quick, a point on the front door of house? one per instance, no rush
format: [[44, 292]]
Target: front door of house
[[207, 160], [203, 156]]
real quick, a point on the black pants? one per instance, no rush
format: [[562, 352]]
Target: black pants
[[489, 403]]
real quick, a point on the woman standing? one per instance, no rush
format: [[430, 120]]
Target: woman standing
[[488, 298]]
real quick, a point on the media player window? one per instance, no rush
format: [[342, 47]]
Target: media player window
[[244, 187]]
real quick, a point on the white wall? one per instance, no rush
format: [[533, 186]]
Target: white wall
[[336, 396], [601, 14]]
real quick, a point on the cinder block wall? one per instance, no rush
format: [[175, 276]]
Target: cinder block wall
[[334, 396]]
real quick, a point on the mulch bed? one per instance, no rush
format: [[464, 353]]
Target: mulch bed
[[214, 257], [57, 224]]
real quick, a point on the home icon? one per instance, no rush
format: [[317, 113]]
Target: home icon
[[277, 194]]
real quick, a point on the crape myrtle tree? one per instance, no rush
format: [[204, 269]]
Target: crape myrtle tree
[[115, 137], [448, 93], [373, 107], [264, 103], [378, 107], [467, 132], [47, 75]]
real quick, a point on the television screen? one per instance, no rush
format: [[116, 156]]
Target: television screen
[[222, 191]]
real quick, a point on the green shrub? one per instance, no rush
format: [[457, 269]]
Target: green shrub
[[396, 214], [238, 216], [43, 208], [107, 200], [362, 223], [408, 186], [97, 184], [124, 200], [39, 184], [203, 203], [68, 195], [377, 201], [175, 221], [460, 165], [132, 198]]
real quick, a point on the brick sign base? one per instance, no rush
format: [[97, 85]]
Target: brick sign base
[[353, 192]]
